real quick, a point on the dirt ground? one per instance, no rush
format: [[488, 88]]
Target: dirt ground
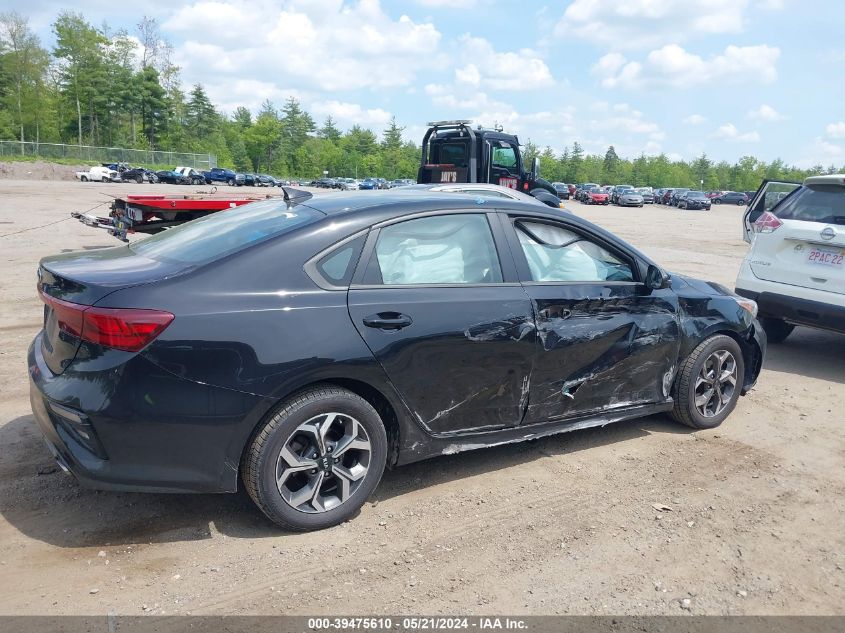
[[561, 525]]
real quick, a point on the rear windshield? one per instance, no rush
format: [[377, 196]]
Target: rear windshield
[[453, 154], [225, 232], [816, 203]]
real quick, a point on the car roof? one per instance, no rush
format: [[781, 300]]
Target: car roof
[[357, 212], [830, 179]]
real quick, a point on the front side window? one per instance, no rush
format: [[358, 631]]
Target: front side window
[[504, 156], [446, 249], [557, 254]]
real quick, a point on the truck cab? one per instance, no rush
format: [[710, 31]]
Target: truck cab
[[454, 152]]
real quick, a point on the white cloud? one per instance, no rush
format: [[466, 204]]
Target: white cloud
[[649, 23], [695, 119], [765, 113], [448, 4], [626, 120], [520, 70], [819, 152], [729, 132], [324, 45], [673, 66], [836, 130], [348, 114]]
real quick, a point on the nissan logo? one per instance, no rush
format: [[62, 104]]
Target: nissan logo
[[828, 233]]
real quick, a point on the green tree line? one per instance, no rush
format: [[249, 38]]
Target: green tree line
[[122, 89]]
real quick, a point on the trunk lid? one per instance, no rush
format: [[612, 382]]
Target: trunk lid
[[82, 279]]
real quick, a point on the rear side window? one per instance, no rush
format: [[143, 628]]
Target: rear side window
[[338, 266], [225, 232], [816, 203], [446, 249]]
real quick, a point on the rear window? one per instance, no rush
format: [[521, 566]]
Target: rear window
[[453, 154], [225, 232], [816, 203]]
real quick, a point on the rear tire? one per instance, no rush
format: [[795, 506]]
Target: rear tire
[[740, 203], [776, 329], [284, 449], [709, 383], [717, 201], [231, 182], [139, 179]]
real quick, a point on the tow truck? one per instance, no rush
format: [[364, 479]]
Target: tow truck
[[155, 213], [454, 152]]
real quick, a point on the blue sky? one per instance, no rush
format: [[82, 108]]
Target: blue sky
[[725, 77]]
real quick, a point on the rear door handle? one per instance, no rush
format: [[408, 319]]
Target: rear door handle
[[388, 321]]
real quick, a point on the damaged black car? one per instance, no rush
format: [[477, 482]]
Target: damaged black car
[[298, 347]]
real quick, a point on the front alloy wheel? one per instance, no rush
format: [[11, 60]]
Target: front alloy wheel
[[708, 383], [716, 383]]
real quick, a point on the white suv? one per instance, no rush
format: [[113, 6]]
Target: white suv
[[795, 268]]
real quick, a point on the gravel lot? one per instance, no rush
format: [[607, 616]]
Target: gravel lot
[[560, 525]]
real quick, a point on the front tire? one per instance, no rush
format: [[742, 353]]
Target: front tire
[[717, 201], [317, 459], [709, 383], [776, 329]]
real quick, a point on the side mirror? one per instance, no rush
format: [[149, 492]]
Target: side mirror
[[535, 168], [657, 279]]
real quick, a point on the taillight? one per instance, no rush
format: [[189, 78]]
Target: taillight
[[767, 223], [128, 329]]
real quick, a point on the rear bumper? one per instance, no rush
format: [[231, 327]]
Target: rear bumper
[[136, 427], [798, 311]]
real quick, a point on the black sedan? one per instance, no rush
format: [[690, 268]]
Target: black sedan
[[171, 177], [562, 190], [300, 346], [731, 197], [693, 200]]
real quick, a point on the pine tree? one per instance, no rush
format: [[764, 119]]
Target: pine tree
[[330, 130]]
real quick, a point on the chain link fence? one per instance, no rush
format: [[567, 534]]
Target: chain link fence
[[89, 153]]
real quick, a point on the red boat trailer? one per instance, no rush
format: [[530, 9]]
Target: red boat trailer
[[154, 213]]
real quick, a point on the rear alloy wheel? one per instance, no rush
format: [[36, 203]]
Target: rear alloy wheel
[[776, 329], [740, 203], [709, 383], [317, 460]]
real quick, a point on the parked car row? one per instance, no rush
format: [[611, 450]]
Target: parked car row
[[179, 175], [352, 184]]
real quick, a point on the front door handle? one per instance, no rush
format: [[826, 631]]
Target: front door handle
[[555, 313], [388, 321]]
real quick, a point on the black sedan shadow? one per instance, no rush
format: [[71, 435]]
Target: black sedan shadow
[[809, 352], [41, 502]]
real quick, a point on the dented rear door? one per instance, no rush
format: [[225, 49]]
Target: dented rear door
[[605, 341]]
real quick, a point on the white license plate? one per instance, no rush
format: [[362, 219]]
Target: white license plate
[[826, 257]]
